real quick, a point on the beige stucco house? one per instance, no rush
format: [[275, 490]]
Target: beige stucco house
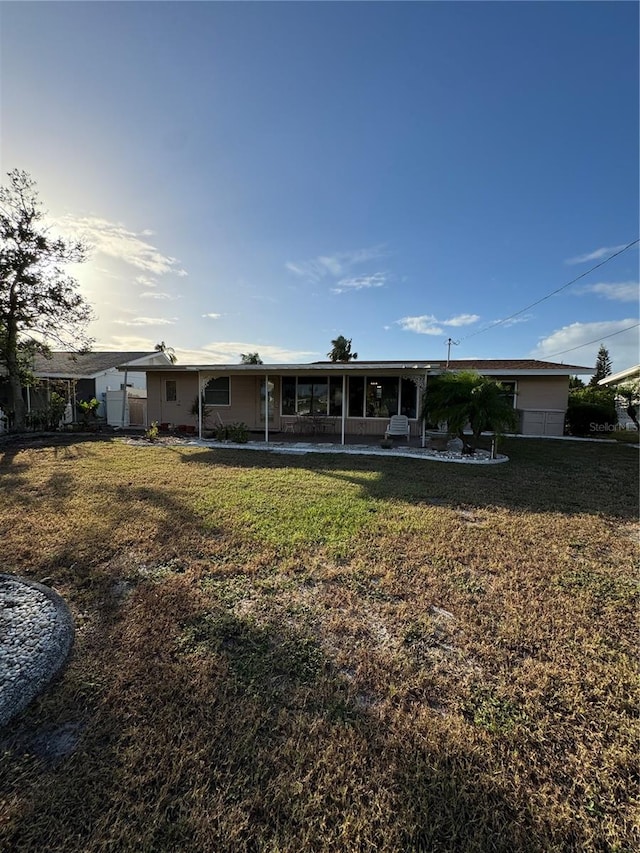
[[357, 398]]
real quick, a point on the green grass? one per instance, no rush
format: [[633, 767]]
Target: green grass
[[329, 653]]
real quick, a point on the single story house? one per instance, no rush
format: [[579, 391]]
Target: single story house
[[84, 376], [354, 398], [631, 379]]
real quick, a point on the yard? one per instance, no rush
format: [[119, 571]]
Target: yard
[[328, 653]]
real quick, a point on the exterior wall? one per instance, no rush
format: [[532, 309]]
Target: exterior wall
[[542, 402], [176, 413], [111, 380]]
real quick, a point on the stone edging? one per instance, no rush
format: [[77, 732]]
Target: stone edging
[[36, 636]]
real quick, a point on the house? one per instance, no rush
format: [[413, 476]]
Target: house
[[79, 377], [356, 398], [629, 378]]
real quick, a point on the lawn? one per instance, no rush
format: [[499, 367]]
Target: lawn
[[328, 653]]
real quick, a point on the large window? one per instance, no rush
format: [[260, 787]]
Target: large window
[[371, 396], [312, 395], [511, 390], [217, 392]]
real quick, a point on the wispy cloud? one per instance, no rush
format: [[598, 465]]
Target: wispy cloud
[[147, 321], [427, 324], [212, 316], [228, 352], [360, 282], [156, 294], [117, 241], [335, 265], [146, 281], [583, 339], [625, 291], [597, 255], [462, 320]]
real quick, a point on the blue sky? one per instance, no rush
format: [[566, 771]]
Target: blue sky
[[266, 176]]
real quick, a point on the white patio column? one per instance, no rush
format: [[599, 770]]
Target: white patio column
[[199, 406], [344, 405], [266, 408], [124, 398], [424, 420]]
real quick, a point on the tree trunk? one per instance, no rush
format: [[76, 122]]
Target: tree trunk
[[13, 375]]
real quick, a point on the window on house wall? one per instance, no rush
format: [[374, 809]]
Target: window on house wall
[[408, 398], [382, 396], [356, 396], [511, 387], [217, 392], [170, 390], [305, 395]]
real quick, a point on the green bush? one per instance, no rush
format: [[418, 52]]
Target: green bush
[[591, 411], [237, 432]]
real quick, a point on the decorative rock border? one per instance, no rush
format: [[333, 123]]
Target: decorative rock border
[[36, 636]]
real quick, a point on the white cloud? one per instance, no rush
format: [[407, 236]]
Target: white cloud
[[577, 337], [462, 320], [334, 265], [212, 316], [147, 321], [145, 281], [360, 282], [156, 294], [427, 324], [117, 241], [625, 291], [596, 255], [228, 352]]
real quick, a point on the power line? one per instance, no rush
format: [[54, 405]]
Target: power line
[[595, 341], [553, 292]]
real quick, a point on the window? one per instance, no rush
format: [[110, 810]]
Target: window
[[356, 396], [171, 390], [382, 396], [511, 389], [216, 392], [408, 397], [304, 395]]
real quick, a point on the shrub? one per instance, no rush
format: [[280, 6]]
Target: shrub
[[237, 432], [152, 432], [590, 410]]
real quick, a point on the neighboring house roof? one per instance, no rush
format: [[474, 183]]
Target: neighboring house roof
[[71, 365], [623, 376], [502, 367]]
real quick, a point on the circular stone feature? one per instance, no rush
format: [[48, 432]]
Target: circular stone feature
[[36, 636]]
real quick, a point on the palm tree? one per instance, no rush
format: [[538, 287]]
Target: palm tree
[[468, 398], [168, 351], [341, 350], [250, 358]]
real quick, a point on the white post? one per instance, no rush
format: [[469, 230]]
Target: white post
[[199, 407], [28, 399], [424, 420], [124, 398], [344, 405], [266, 408]]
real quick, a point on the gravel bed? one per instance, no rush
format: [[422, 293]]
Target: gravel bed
[[36, 636]]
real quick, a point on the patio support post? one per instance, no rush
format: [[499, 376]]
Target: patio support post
[[124, 398], [344, 405], [199, 406], [266, 408], [424, 421]]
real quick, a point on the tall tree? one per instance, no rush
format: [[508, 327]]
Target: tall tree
[[341, 350], [603, 366], [39, 301], [168, 351], [250, 358]]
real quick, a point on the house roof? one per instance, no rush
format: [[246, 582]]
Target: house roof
[[624, 375], [501, 367], [72, 365]]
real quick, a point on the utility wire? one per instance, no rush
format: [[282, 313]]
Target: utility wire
[[601, 338], [553, 292]]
